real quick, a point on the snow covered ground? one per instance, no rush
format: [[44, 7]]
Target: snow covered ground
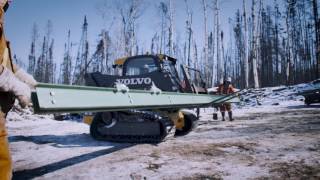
[[278, 139]]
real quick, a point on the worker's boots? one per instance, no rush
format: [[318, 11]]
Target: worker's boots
[[230, 116], [223, 114]]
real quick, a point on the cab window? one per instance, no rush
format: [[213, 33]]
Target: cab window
[[139, 66], [168, 66]]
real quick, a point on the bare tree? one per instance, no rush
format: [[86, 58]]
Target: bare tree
[[189, 33], [100, 58], [82, 61], [40, 70], [51, 65], [155, 49], [254, 44], [245, 47], [205, 49], [220, 70], [238, 50], [44, 67], [171, 28], [289, 27], [32, 55], [66, 65], [195, 56], [163, 8], [48, 54], [317, 33], [277, 47], [129, 15]]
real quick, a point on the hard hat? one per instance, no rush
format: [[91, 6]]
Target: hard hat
[[229, 79]]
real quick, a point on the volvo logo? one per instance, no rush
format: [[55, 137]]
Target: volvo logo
[[135, 81]]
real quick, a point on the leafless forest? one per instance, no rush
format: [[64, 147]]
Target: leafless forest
[[267, 44]]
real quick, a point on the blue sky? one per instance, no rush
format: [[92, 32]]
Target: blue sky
[[68, 14]]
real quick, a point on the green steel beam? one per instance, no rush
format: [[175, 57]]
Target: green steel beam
[[50, 98]]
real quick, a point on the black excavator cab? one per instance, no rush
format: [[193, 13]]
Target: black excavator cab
[[141, 72]]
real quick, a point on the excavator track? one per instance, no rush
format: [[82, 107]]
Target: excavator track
[[132, 127]]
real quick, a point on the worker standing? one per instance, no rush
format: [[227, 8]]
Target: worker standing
[[14, 84], [226, 88]]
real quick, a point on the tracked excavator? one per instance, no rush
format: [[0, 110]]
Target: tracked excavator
[[146, 72]]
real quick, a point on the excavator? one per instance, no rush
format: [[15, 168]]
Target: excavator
[[146, 72]]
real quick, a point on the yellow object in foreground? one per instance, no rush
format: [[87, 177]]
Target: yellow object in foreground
[[5, 159], [88, 119], [178, 119]]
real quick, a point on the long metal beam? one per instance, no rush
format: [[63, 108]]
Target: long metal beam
[[50, 98]]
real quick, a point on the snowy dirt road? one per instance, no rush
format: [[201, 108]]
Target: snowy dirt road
[[274, 142]]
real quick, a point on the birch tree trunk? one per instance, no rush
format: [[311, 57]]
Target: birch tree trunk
[[246, 47], [254, 42], [171, 28], [213, 49], [189, 31], [218, 51], [276, 41], [204, 5], [290, 61]]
